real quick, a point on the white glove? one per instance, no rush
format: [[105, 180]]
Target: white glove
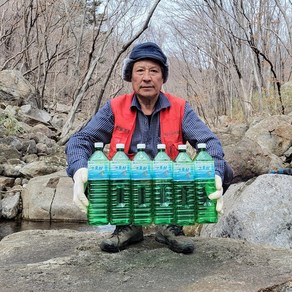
[[218, 195], [80, 178]]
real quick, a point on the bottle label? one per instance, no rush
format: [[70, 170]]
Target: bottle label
[[204, 169], [162, 170], [182, 171], [98, 171], [119, 170], [141, 170]]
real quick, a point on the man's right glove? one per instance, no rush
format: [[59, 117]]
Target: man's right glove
[[80, 178]]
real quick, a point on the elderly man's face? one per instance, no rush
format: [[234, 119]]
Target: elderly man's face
[[147, 78]]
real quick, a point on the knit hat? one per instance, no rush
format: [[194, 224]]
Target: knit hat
[[142, 51]]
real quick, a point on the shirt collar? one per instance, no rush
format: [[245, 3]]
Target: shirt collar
[[161, 103]]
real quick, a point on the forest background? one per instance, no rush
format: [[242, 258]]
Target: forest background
[[227, 58]]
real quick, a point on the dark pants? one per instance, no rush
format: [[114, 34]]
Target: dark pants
[[228, 176]]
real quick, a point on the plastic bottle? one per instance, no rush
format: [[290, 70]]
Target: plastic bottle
[[183, 187], [98, 187], [205, 185], [120, 188], [141, 178], [162, 187]]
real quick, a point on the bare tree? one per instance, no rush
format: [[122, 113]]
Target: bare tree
[[69, 49], [226, 57], [68, 125], [240, 48]]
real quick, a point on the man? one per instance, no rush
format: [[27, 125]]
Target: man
[[151, 117]]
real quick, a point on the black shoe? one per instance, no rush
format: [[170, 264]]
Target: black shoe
[[174, 237], [122, 237]]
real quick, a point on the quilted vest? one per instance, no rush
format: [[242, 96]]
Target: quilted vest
[[125, 121]]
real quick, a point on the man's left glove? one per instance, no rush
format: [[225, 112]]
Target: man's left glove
[[80, 178], [218, 195]]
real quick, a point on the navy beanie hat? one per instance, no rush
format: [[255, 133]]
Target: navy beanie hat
[[142, 51]]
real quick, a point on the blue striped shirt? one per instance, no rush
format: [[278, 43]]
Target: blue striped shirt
[[99, 129]]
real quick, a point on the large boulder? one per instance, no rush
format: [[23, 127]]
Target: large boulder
[[33, 115], [258, 211], [265, 145], [272, 133], [248, 159], [15, 89], [38, 168], [230, 133], [10, 205], [6, 182], [49, 197], [8, 152]]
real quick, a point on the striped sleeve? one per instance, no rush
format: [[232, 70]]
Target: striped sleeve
[[196, 131], [81, 144]]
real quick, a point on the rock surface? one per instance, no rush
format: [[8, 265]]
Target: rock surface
[[15, 88], [258, 211], [67, 260], [49, 198]]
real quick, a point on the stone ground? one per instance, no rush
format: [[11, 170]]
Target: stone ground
[[68, 260]]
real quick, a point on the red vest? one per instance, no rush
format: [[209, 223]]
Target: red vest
[[125, 121]]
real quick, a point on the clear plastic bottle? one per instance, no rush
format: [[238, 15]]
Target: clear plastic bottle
[[162, 187], [120, 188], [141, 178], [204, 170], [183, 187], [98, 187]]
